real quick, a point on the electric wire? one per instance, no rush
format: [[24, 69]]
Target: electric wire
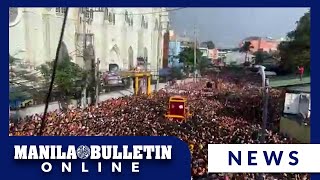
[[57, 57], [55, 64]]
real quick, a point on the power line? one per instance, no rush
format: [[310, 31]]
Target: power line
[[57, 56], [55, 63], [159, 12]]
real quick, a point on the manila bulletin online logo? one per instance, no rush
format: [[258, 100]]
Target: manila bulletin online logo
[[104, 156], [83, 152]]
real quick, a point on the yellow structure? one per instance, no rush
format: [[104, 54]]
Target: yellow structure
[[178, 109], [142, 81]]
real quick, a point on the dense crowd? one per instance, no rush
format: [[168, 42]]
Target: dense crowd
[[228, 113]]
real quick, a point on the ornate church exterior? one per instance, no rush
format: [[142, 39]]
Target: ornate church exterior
[[115, 35]]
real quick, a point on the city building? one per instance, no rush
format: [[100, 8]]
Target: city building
[[261, 43], [184, 40], [174, 51], [221, 53], [213, 54], [113, 35], [237, 58], [204, 51]]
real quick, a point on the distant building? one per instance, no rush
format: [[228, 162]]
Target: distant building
[[184, 40], [204, 51], [261, 43], [174, 51], [237, 58], [213, 54], [221, 54]]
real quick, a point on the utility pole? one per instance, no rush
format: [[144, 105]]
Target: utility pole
[[265, 111], [265, 88], [84, 30], [97, 81], [158, 53], [195, 55], [264, 116]]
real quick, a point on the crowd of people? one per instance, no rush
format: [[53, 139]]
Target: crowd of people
[[230, 112]]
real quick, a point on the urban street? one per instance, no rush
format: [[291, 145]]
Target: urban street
[[204, 75]]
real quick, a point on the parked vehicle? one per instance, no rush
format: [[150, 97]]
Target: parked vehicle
[[112, 79], [19, 99]]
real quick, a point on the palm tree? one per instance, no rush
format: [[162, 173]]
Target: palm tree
[[246, 47]]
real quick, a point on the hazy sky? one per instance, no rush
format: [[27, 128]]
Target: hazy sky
[[226, 27]]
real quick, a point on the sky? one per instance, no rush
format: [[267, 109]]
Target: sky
[[226, 27]]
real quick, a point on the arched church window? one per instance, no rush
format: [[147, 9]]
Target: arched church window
[[89, 13], [131, 21], [60, 11], [142, 21], [146, 25], [14, 16], [105, 14], [126, 17], [110, 17], [156, 25]]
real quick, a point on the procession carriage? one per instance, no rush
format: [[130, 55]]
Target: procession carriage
[[178, 109]]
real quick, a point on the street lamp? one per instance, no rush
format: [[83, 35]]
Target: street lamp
[[97, 76], [265, 86], [262, 73]]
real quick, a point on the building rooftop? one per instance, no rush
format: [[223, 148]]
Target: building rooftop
[[258, 38]]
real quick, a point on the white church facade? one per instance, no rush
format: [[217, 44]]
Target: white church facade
[[117, 35]]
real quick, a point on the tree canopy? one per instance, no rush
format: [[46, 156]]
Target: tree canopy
[[208, 44], [260, 56], [186, 56], [246, 47], [296, 51], [68, 76]]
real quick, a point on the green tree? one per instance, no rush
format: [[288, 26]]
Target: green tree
[[176, 73], [296, 51], [69, 79], [187, 57], [204, 64], [246, 47], [260, 56]]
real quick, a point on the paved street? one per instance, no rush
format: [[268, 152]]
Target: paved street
[[288, 81], [55, 105]]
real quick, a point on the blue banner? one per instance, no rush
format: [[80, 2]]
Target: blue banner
[[98, 158]]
